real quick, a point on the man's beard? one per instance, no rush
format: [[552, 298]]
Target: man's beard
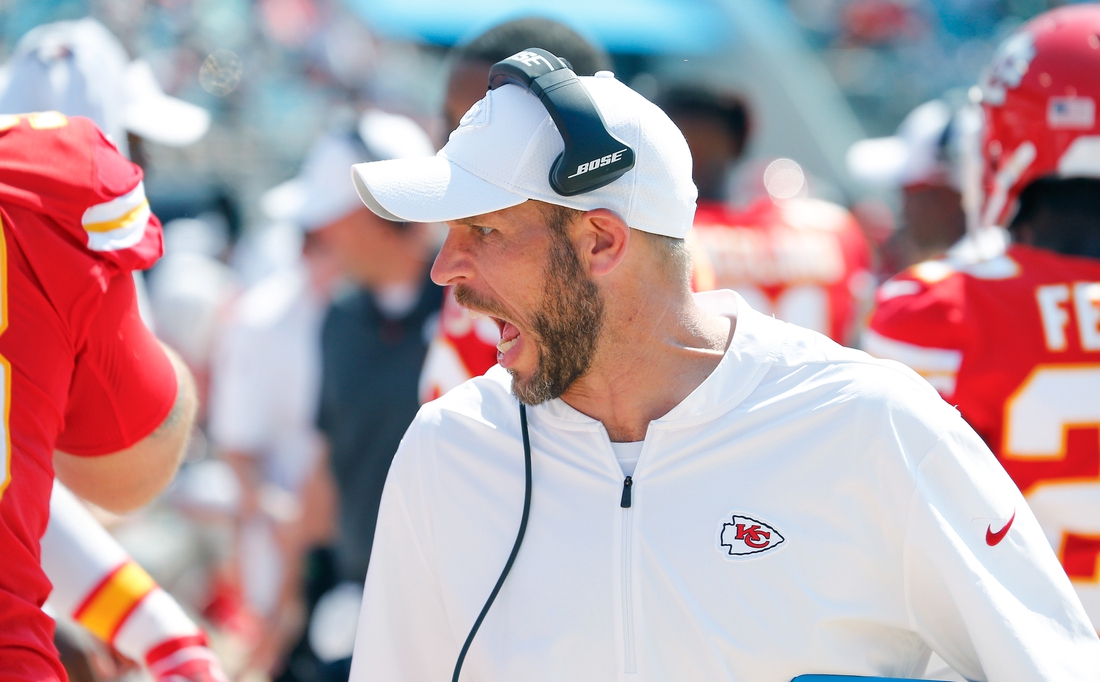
[[566, 328]]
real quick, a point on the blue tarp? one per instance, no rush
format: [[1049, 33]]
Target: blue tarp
[[626, 26]]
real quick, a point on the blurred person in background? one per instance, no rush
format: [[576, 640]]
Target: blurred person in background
[[923, 160], [283, 361], [1013, 339], [263, 401], [465, 346], [469, 62], [80, 68], [190, 290], [804, 260]]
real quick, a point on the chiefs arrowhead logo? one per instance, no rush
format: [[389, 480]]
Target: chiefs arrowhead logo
[[1009, 66], [744, 535]]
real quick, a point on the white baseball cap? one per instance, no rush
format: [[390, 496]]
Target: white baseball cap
[[155, 116], [915, 154], [321, 194], [80, 69], [501, 154]]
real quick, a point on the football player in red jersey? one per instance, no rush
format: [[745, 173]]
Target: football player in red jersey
[[1014, 340], [89, 393], [94, 582], [804, 260]]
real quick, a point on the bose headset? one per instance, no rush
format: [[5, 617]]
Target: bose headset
[[593, 158]]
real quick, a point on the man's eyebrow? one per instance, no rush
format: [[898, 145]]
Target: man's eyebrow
[[472, 221]]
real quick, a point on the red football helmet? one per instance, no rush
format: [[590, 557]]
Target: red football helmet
[[1039, 97]]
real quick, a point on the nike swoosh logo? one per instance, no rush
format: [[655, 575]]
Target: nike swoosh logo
[[993, 539]]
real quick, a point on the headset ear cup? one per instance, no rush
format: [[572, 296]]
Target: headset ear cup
[[593, 156], [555, 171], [590, 173]]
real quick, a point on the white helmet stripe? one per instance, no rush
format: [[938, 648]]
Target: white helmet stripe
[[1005, 178]]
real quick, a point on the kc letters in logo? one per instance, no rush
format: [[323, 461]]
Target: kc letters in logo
[[745, 536]]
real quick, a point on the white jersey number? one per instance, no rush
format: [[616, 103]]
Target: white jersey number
[[1051, 447]]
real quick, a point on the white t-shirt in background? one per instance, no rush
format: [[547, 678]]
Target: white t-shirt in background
[[628, 454], [266, 377]]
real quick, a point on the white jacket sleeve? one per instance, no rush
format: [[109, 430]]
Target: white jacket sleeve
[[403, 634], [996, 606]]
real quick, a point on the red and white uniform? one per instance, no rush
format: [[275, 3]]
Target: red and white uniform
[[803, 260], [1014, 343], [463, 348], [99, 586], [81, 372]]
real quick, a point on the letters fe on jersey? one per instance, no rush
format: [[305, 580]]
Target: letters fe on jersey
[[744, 535]]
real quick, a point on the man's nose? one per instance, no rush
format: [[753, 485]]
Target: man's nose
[[452, 263]]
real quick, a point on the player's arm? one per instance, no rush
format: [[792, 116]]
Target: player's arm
[[131, 407], [920, 324], [127, 479]]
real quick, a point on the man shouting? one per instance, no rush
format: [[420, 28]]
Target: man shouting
[[715, 495]]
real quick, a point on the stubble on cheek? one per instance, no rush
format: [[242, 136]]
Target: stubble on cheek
[[566, 326], [564, 329]]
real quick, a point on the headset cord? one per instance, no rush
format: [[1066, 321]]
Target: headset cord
[[515, 547]]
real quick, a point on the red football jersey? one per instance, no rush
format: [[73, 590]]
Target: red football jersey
[[803, 260], [1014, 343], [464, 347], [81, 373]]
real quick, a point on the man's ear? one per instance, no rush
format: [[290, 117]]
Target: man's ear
[[601, 238]]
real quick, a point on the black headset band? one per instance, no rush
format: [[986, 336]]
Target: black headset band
[[593, 157]]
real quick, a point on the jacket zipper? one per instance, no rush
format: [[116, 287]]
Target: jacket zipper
[[630, 664]]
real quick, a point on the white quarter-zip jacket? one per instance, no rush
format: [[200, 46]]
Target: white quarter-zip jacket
[[807, 509]]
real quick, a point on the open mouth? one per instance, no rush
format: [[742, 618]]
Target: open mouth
[[511, 338]]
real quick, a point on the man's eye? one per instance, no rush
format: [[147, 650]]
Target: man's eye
[[483, 231]]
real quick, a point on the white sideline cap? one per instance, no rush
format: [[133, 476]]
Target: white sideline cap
[[914, 154], [158, 117], [320, 194], [80, 69], [501, 154]]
